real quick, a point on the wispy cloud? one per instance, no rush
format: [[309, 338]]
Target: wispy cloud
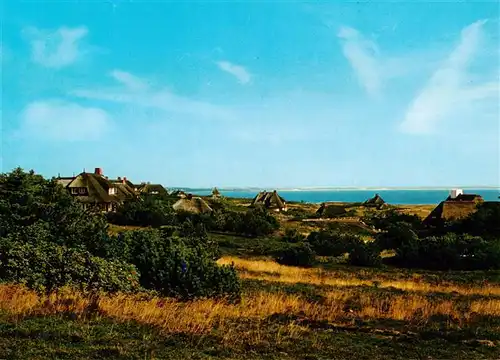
[[130, 81], [448, 88], [56, 48], [137, 93], [362, 54], [239, 72], [63, 121]]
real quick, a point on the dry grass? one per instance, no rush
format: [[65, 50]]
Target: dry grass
[[248, 322], [201, 316], [272, 271]]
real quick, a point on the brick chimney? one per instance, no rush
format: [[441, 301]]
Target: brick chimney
[[124, 179], [98, 171]]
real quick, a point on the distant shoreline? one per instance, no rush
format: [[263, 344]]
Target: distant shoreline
[[250, 189]]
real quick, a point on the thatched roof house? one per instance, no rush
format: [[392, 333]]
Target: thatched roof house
[[178, 194], [375, 201], [269, 200], [151, 189], [95, 190], [331, 209], [455, 208], [216, 193], [191, 204]]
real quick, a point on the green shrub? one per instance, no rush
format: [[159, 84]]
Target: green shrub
[[292, 235], [179, 267], [364, 254], [147, 211], [299, 254], [331, 243], [48, 266], [254, 222], [450, 252], [33, 209]]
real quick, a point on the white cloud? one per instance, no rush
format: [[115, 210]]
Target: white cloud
[[362, 55], [239, 72], [447, 90], [137, 93], [130, 81], [57, 48], [63, 121]]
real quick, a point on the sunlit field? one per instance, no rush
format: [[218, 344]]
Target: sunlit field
[[280, 314]]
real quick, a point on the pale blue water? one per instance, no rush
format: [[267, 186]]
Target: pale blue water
[[390, 196]]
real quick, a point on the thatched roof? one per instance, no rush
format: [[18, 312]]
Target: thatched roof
[[375, 201], [270, 200], [466, 197], [450, 210], [97, 188], [152, 189], [331, 209], [64, 181], [178, 194], [216, 192], [194, 205]]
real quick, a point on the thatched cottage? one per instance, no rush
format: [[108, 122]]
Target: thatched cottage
[[375, 201], [457, 206], [269, 200], [151, 189], [331, 209], [216, 193], [192, 204], [94, 190]]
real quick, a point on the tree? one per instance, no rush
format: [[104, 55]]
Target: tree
[[35, 209]]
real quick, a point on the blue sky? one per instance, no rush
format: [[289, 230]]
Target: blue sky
[[254, 93]]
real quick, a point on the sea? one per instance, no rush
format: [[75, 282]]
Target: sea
[[391, 196]]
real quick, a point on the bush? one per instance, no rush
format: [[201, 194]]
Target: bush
[[365, 254], [254, 222], [292, 235], [48, 266], [33, 209], [299, 254], [331, 242], [144, 212], [181, 267], [395, 236], [383, 220]]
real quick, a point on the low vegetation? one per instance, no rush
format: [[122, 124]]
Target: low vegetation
[[240, 283]]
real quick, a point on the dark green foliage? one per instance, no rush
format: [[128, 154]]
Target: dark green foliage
[[450, 252], [299, 254], [384, 219], [331, 242], [147, 211], [484, 222], [180, 267], [292, 235], [254, 222], [34, 209], [47, 266], [395, 236], [364, 254]]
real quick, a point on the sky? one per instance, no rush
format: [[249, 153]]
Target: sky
[[253, 93]]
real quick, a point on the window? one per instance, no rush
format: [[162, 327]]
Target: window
[[82, 191], [74, 190], [112, 191]]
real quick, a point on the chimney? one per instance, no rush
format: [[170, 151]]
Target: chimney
[[124, 179], [455, 192], [119, 178], [189, 196], [98, 171]]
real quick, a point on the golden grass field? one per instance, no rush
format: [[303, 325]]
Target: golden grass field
[[344, 302]]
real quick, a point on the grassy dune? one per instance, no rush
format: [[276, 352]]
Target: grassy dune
[[285, 313]]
